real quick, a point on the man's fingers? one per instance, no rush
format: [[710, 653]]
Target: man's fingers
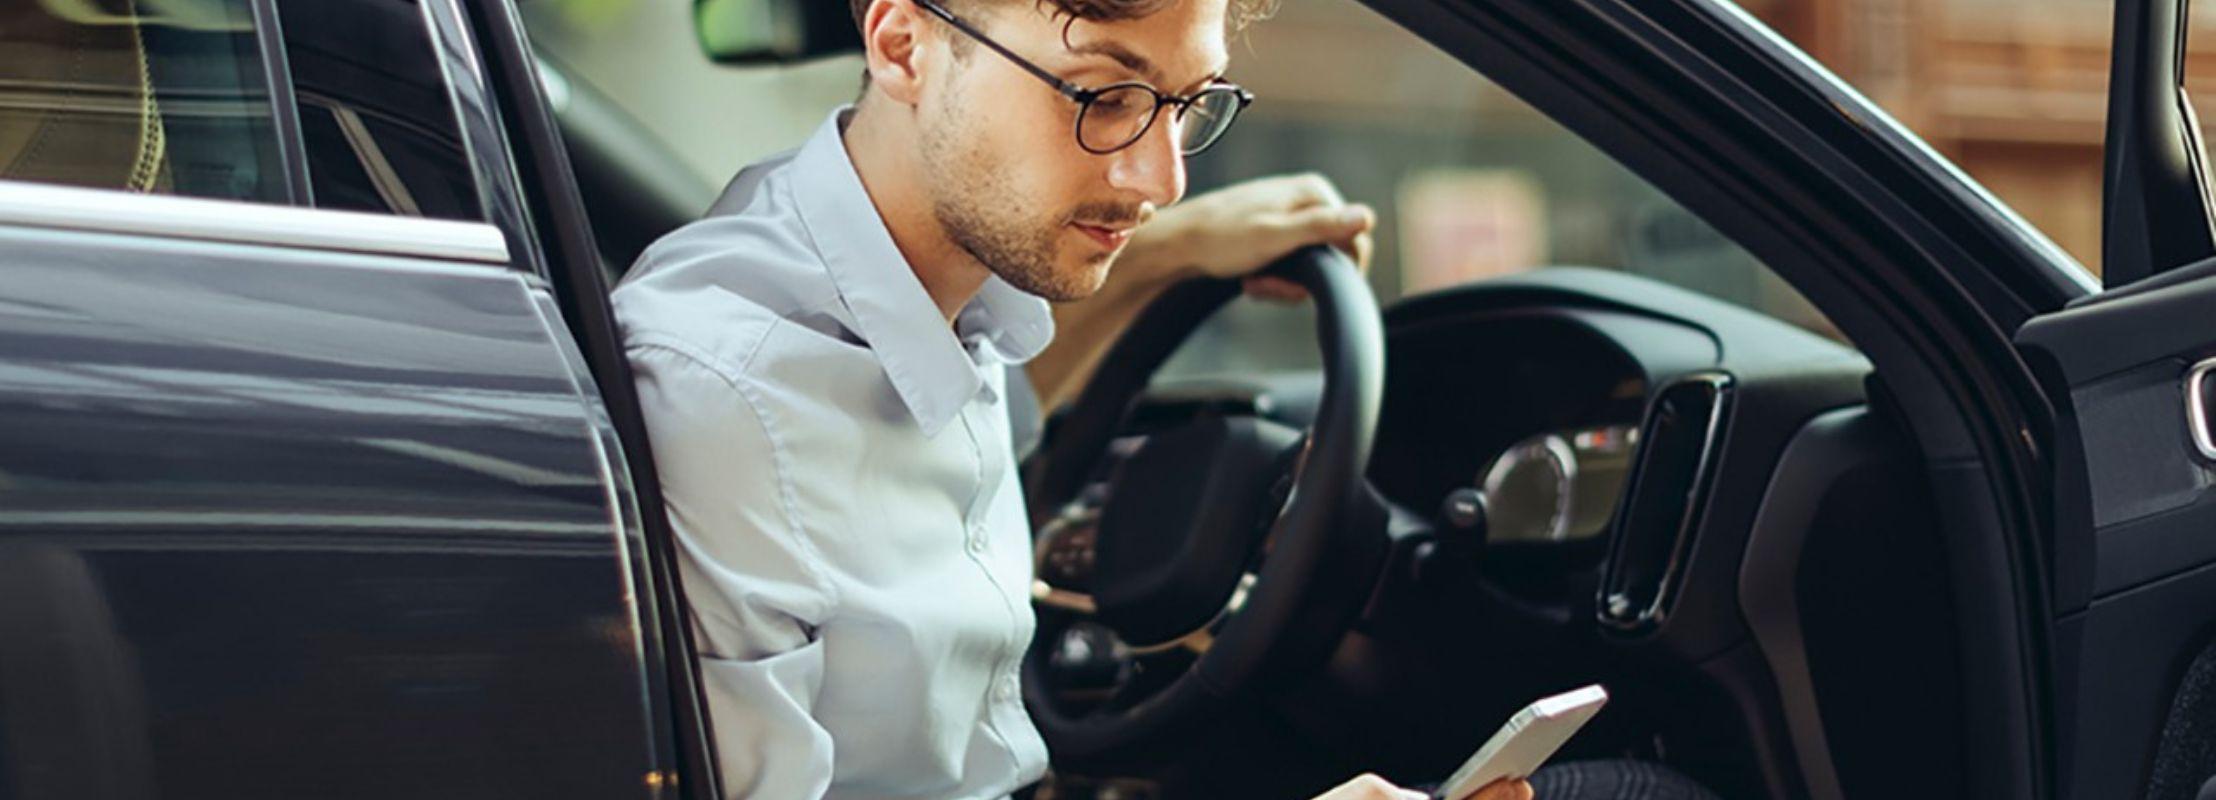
[[1308, 189], [1347, 220], [1339, 226], [1504, 789], [1345, 227], [1361, 248], [1369, 787]]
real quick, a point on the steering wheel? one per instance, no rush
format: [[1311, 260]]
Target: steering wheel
[[1228, 548]]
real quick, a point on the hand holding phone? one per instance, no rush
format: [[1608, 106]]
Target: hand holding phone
[[1526, 742]]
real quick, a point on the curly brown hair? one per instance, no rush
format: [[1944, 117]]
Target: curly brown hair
[[1239, 15]]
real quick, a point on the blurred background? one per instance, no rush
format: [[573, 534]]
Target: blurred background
[[1469, 181]]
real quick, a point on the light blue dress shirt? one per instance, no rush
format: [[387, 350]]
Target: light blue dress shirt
[[837, 465]]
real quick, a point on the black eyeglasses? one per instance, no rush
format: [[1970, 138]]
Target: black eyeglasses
[[1113, 117]]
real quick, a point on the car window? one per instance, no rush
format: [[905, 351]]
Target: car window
[[1469, 181], [167, 96], [376, 118], [176, 98]]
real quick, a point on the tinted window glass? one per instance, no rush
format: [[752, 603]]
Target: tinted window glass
[[165, 96], [375, 114]]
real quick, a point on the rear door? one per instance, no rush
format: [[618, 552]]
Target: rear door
[[2132, 373], [304, 489]]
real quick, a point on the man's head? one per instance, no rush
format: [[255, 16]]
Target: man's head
[[995, 148]]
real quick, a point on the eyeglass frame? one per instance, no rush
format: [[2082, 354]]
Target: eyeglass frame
[[1084, 97]]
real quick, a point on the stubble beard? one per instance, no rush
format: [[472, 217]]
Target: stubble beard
[[979, 209]]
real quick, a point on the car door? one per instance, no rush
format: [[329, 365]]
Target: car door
[[305, 490], [2132, 373]]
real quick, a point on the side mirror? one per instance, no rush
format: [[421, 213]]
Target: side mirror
[[773, 31]]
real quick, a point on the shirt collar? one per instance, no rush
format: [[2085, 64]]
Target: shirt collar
[[925, 359]]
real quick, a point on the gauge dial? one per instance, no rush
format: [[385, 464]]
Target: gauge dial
[[1557, 487]]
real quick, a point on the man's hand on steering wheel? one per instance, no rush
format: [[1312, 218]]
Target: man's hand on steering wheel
[[1228, 233], [1235, 230]]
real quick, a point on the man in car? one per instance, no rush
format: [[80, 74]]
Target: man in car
[[824, 364]]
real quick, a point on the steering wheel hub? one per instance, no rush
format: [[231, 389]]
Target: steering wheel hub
[[1188, 512]]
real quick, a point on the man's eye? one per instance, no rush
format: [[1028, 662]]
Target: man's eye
[[1121, 102]]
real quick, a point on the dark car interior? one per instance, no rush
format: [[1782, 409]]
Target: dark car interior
[[1713, 513]]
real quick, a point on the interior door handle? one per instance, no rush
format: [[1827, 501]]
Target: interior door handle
[[2199, 394]]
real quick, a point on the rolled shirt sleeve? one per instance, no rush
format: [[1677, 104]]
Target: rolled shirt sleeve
[[756, 586]]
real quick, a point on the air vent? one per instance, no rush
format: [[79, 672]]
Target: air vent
[[1654, 526]]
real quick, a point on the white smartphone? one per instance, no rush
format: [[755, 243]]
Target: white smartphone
[[1526, 742]]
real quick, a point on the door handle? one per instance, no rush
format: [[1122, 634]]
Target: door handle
[[2200, 393]]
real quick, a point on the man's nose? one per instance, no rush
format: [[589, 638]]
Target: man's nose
[[1152, 166]]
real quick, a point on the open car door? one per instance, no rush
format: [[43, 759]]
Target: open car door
[[2132, 374]]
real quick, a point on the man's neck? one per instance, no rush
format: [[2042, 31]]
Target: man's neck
[[881, 144]]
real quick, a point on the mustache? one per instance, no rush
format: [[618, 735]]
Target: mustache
[[1112, 215]]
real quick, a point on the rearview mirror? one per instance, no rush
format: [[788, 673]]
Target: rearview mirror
[[772, 31]]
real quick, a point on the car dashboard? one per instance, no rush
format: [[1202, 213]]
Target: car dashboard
[[1535, 411], [1590, 478]]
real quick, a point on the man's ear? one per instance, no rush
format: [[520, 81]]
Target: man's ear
[[894, 39]]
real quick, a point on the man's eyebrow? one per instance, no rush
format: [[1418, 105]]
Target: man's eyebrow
[[1123, 55], [1132, 61]]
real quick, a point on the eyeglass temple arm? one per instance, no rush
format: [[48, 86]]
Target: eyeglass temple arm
[[1065, 87]]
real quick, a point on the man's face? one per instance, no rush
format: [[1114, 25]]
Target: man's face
[[1007, 178]]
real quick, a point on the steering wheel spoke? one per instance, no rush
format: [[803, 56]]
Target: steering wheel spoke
[[1046, 594], [1198, 640], [1063, 554]]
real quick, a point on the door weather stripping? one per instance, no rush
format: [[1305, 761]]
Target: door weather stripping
[[107, 211]]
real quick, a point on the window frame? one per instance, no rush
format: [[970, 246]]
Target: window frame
[[483, 132], [284, 111], [214, 219]]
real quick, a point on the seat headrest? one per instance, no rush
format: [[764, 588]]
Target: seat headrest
[[77, 104]]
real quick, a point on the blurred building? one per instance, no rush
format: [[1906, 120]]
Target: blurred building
[[2015, 91]]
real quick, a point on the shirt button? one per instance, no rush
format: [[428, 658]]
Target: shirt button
[[977, 540], [1005, 690]]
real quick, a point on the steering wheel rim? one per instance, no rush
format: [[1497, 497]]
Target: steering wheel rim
[[1328, 493]]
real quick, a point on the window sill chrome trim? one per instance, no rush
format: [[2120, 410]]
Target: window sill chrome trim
[[107, 211], [2196, 408]]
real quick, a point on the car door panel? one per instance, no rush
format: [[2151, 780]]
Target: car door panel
[[2135, 534], [299, 518]]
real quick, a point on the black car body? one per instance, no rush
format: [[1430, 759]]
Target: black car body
[[307, 492]]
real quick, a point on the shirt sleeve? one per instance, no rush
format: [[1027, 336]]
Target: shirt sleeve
[[756, 586]]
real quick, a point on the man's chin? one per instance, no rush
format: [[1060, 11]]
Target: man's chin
[[1071, 282], [1088, 277]]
